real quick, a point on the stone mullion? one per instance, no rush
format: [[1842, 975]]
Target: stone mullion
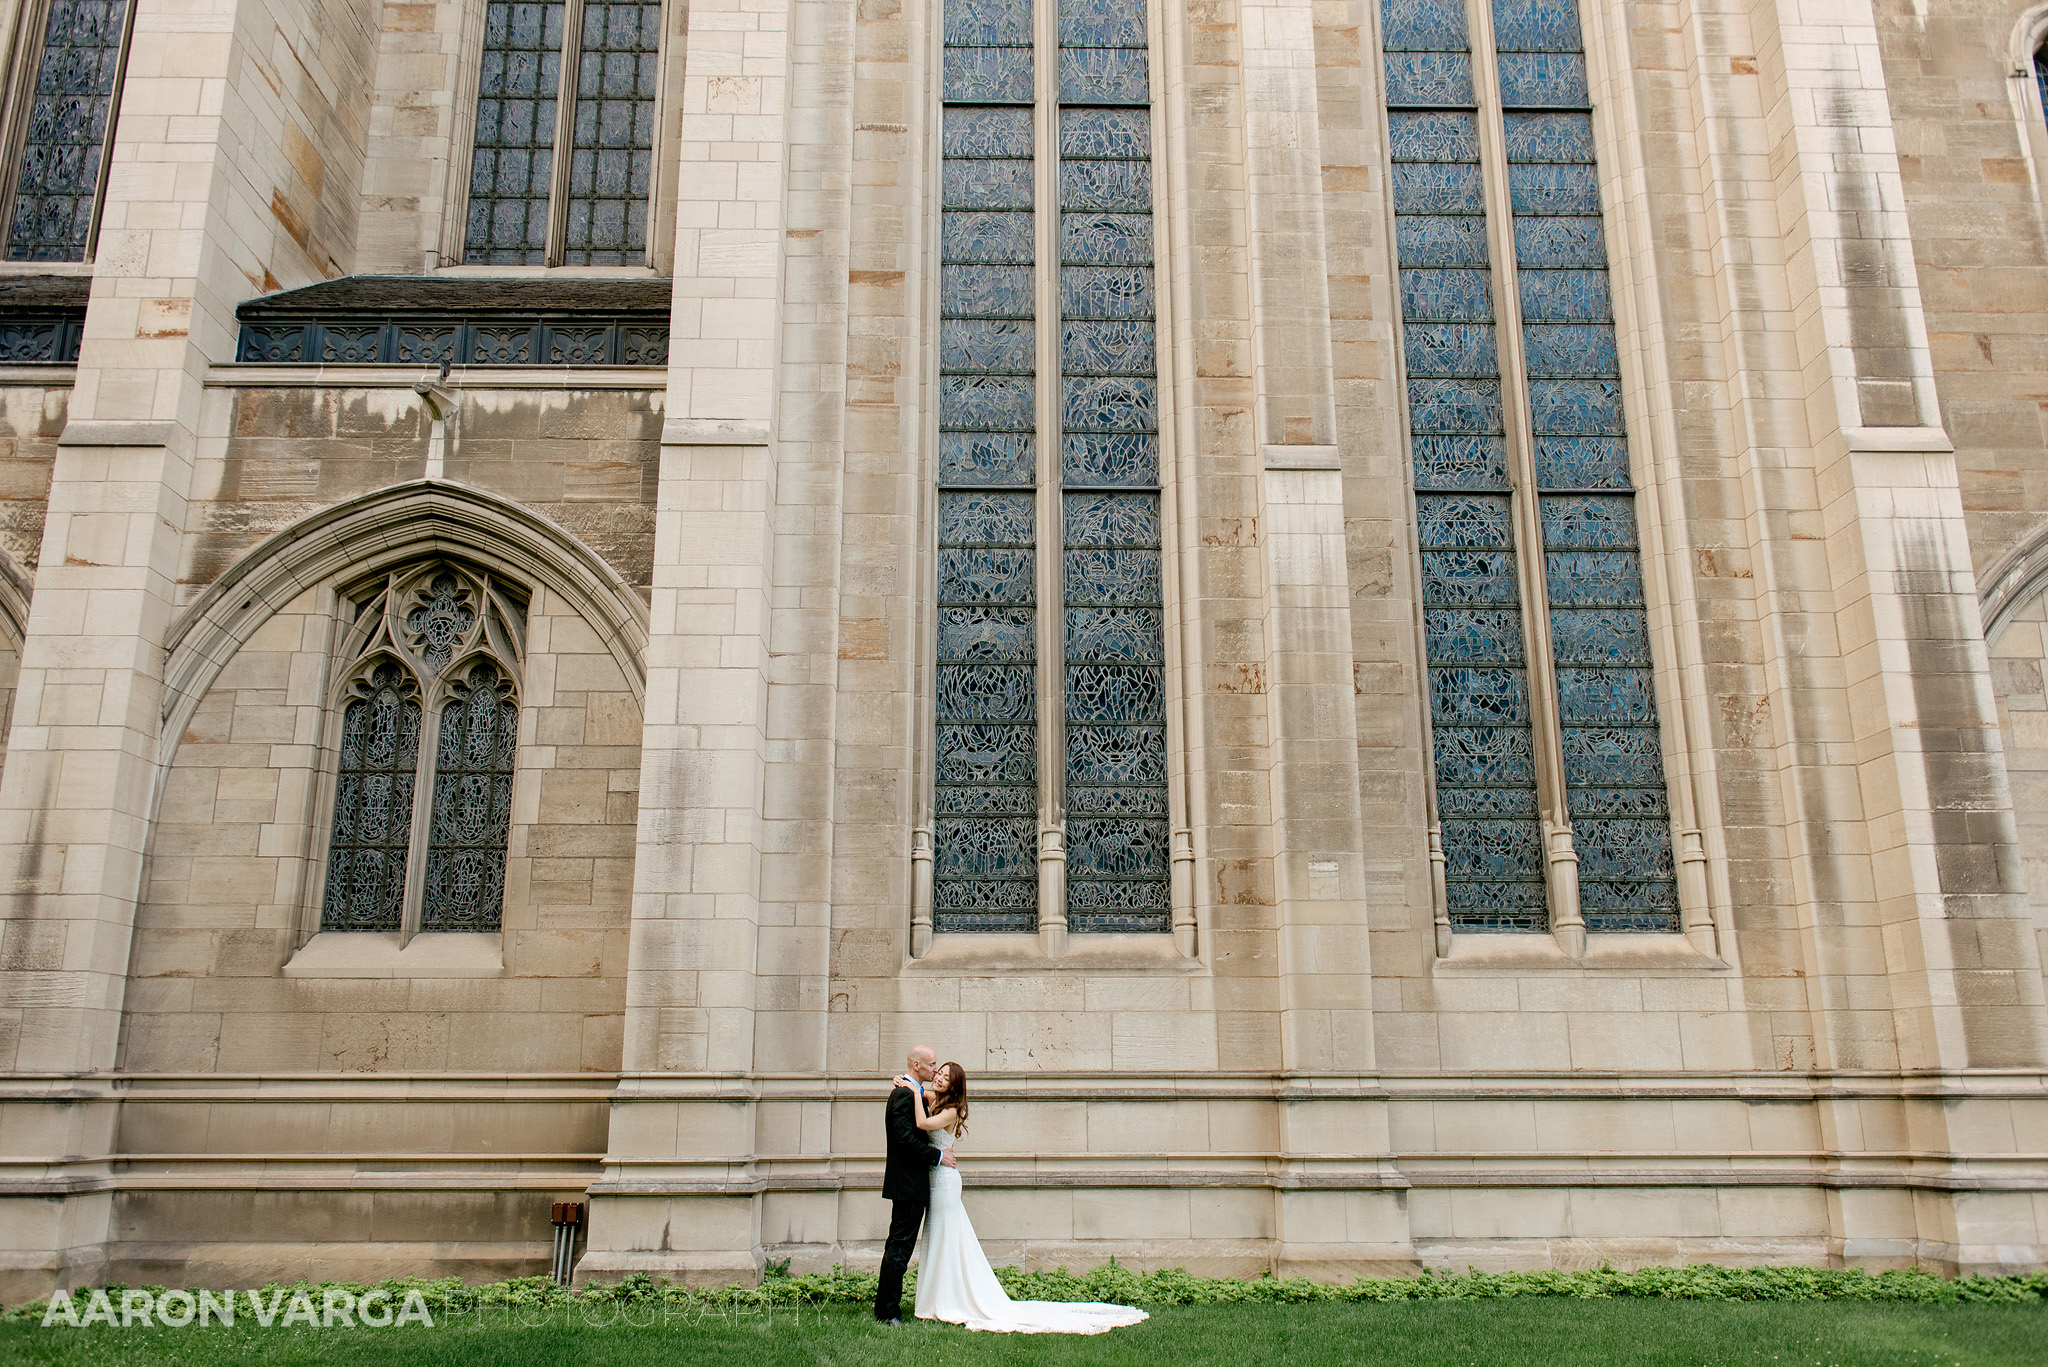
[[1051, 617], [1567, 924], [565, 131]]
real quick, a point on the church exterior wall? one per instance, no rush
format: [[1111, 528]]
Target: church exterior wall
[[1826, 237]]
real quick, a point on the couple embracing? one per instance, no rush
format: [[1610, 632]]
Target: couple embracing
[[926, 1118]]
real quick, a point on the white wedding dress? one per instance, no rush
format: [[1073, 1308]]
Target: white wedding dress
[[955, 1283]]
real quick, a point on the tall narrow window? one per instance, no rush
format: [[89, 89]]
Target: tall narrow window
[[1056, 434], [435, 651], [1533, 766], [67, 124], [544, 190]]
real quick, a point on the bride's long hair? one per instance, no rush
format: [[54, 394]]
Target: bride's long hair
[[953, 1094]]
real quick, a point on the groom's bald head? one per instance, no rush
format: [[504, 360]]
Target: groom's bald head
[[922, 1062]]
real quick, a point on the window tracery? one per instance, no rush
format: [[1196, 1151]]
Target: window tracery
[[64, 128], [418, 837]]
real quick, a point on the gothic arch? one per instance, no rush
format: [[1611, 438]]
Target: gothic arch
[[2020, 574], [377, 531]]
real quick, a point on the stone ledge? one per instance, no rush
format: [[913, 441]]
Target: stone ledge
[[1607, 955], [256, 374], [965, 955], [378, 954]]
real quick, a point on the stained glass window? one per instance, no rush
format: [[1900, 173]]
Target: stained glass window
[[409, 630], [986, 800], [380, 744], [1488, 747], [604, 71], [1607, 712], [1472, 618], [472, 811], [70, 116], [1097, 439], [1114, 645]]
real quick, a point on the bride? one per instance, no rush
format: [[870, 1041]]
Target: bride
[[954, 1282]]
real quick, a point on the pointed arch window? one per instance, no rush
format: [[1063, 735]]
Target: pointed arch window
[[1050, 804], [1549, 798], [418, 836]]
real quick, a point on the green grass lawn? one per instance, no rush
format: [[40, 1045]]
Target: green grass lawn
[[1533, 1330]]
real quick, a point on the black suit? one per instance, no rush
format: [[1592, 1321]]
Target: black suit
[[907, 1185]]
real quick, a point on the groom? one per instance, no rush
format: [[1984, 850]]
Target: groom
[[906, 1181]]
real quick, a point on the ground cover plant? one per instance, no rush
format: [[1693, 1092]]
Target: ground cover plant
[[1771, 1317]]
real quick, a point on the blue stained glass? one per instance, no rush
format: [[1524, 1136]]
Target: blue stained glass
[[1429, 78], [1485, 756], [986, 75], [1106, 239], [1553, 188], [373, 803], [969, 755], [1486, 907], [1441, 240], [1429, 187], [1593, 578], [1513, 801], [1112, 458], [986, 693], [1451, 349], [964, 799], [985, 291], [1447, 297], [1473, 635], [987, 403], [988, 23], [1105, 292], [987, 847], [1639, 901], [1536, 26], [1612, 757], [1423, 25], [1463, 521], [512, 157], [1116, 847], [1570, 349], [1454, 405], [1111, 519], [1128, 635], [1106, 186], [1464, 696], [968, 184], [1493, 849], [1611, 848], [1543, 80], [1107, 756], [987, 458], [611, 143], [1549, 137], [977, 635], [1116, 693], [1125, 904], [1469, 578], [1111, 575], [1565, 297], [985, 239], [1109, 348], [1605, 697], [472, 811], [1102, 23], [987, 576], [1120, 801], [1576, 408], [1642, 802], [1103, 76], [1436, 135], [1107, 134], [1599, 636], [1453, 461], [1588, 522], [987, 346], [1109, 403], [1560, 243], [986, 519]]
